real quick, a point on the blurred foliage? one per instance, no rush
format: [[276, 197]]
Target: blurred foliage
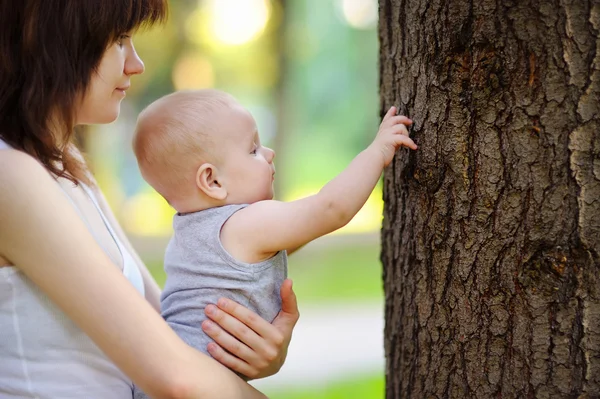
[[306, 69], [331, 88], [363, 387], [325, 272]]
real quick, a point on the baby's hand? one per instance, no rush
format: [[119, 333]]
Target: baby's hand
[[392, 134]]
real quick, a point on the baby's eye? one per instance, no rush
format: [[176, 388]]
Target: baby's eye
[[254, 150]]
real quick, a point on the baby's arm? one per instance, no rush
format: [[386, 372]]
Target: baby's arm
[[263, 228]]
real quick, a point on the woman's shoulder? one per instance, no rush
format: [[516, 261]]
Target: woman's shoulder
[[23, 178], [18, 165]]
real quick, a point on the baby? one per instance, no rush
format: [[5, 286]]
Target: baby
[[202, 152]]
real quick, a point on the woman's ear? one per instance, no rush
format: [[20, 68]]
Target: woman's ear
[[207, 180]]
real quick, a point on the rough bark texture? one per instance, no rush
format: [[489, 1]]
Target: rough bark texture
[[491, 236]]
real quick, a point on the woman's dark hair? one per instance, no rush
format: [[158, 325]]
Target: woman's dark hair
[[49, 50]]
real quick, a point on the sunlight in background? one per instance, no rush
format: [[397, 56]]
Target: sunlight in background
[[360, 14], [236, 22], [238, 38], [147, 214], [193, 71], [368, 219]]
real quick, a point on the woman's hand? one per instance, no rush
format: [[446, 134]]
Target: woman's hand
[[245, 342]]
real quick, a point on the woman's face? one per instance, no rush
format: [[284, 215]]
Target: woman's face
[[102, 102]]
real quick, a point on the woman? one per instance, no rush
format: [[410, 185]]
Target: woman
[[72, 321]]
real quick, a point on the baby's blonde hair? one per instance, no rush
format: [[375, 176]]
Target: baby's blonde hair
[[174, 136]]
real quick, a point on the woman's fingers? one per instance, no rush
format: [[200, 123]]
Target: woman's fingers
[[231, 362], [289, 315], [231, 352], [227, 327], [236, 316], [260, 347]]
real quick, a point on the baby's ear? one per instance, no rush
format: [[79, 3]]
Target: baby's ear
[[207, 180]]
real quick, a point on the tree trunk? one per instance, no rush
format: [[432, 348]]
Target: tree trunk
[[491, 233]]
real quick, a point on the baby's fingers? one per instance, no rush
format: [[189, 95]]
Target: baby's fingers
[[400, 129], [396, 120], [397, 130], [391, 112], [400, 136], [405, 141]]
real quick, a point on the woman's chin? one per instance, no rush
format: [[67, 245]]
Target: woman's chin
[[112, 118], [101, 119]]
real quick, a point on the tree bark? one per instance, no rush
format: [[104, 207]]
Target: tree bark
[[491, 232]]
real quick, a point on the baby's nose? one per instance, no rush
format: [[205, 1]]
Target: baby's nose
[[270, 154]]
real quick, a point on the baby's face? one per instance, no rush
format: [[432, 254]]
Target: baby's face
[[247, 167]]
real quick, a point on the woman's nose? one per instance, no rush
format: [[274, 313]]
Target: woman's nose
[[134, 64]]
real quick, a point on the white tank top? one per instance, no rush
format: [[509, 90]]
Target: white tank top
[[43, 354]]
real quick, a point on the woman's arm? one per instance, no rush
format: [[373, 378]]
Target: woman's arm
[[41, 234], [255, 348]]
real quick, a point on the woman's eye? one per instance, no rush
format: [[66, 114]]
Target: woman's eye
[[121, 39]]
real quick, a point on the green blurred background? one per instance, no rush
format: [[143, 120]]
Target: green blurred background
[[307, 70]]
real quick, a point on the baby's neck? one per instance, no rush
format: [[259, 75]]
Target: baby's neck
[[190, 205]]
